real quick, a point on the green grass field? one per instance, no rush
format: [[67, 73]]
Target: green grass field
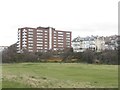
[[0, 76], [56, 75]]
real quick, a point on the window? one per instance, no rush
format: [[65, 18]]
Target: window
[[76, 45], [39, 30], [45, 36], [68, 36], [46, 48], [19, 31], [24, 42], [30, 50], [24, 30], [30, 30], [39, 44], [30, 38], [24, 36], [40, 39], [39, 33], [30, 44], [60, 32], [68, 39], [46, 45], [30, 41], [24, 33], [30, 35], [24, 39], [54, 37], [46, 39], [39, 48], [30, 47], [55, 34], [54, 45], [60, 37], [46, 42], [46, 31], [60, 40], [69, 44], [54, 40], [60, 45], [39, 36], [68, 33], [24, 45]]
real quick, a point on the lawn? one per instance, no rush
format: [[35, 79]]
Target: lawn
[[0, 76], [59, 75]]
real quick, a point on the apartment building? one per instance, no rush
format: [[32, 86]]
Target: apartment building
[[42, 39]]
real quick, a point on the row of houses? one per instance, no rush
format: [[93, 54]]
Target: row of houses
[[3, 48], [95, 43]]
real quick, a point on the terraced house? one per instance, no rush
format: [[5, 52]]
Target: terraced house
[[42, 39], [94, 43]]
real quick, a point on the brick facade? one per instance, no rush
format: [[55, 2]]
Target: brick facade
[[42, 39]]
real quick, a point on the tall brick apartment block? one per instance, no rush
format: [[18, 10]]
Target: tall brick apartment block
[[42, 39]]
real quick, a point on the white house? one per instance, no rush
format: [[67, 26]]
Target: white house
[[94, 43]]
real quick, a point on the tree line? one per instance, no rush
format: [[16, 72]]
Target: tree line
[[105, 57]]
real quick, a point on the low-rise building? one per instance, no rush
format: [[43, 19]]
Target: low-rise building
[[3, 48], [111, 42], [94, 43]]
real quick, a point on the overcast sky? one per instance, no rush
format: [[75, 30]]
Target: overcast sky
[[82, 17]]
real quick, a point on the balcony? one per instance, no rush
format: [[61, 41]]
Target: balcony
[[18, 49], [24, 33], [24, 42], [24, 36], [24, 45], [18, 43], [24, 30], [18, 46]]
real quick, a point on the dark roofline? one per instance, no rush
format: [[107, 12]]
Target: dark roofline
[[27, 28], [43, 27]]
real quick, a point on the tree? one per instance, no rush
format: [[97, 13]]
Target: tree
[[8, 55], [109, 57], [67, 55], [88, 56]]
